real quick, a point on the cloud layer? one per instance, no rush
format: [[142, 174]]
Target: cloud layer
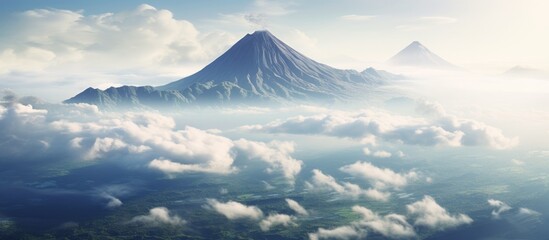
[[136, 138], [438, 129]]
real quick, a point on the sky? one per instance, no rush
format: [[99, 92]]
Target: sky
[[66, 46]]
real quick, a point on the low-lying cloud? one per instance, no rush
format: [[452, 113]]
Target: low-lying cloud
[[439, 128], [424, 213], [379, 177], [138, 138], [429, 214], [322, 182], [158, 216], [234, 210]]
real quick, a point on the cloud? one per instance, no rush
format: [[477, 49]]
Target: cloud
[[429, 214], [379, 177], [357, 18], [341, 233], [528, 212], [426, 212], [268, 186], [443, 129], [500, 207], [113, 201], [69, 132], [322, 182], [258, 16], [296, 207], [275, 153], [234, 210], [517, 162], [144, 37], [377, 154], [159, 216], [391, 225], [426, 22], [275, 220], [382, 154], [439, 20]]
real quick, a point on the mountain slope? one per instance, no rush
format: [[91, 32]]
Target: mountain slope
[[258, 69], [525, 72], [266, 67], [417, 55]]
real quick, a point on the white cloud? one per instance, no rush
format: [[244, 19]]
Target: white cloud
[[158, 216], [113, 201], [428, 213], [500, 207], [379, 177], [528, 212], [382, 154], [357, 18], [276, 154], [443, 129], [258, 16], [275, 220], [391, 225], [426, 22], [234, 210], [340, 233], [139, 38], [268, 186], [296, 207], [439, 20], [81, 132], [322, 182], [517, 162]]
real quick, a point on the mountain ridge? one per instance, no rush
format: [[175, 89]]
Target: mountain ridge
[[259, 68]]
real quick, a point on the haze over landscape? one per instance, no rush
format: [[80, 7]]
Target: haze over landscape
[[274, 120]]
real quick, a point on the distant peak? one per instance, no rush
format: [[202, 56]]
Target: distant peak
[[415, 44], [262, 33]]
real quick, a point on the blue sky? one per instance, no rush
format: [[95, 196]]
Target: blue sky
[[111, 42]]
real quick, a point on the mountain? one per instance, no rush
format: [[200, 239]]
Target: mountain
[[257, 69], [417, 55], [525, 72], [380, 75]]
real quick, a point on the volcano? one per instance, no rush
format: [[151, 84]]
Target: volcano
[[417, 55], [259, 68]]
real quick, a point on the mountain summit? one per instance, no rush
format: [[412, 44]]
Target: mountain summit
[[262, 66], [259, 68], [417, 55]]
